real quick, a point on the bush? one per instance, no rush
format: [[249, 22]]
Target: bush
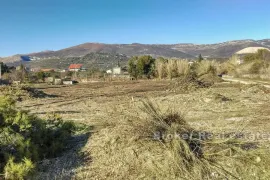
[[205, 67], [171, 68], [160, 68], [256, 67], [19, 171], [25, 138]]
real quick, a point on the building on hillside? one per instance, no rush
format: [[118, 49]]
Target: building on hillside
[[109, 71], [46, 70], [246, 51], [35, 69], [116, 70], [76, 67]]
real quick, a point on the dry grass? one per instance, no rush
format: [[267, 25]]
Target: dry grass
[[183, 67], [206, 67], [134, 150], [160, 68], [172, 68], [122, 145]]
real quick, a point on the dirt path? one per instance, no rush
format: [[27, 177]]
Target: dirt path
[[247, 81]]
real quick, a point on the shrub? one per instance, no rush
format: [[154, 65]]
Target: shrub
[[171, 68], [256, 67], [20, 170], [160, 68], [205, 67], [27, 138], [229, 66], [183, 67]]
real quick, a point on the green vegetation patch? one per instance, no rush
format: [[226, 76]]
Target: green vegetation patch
[[26, 139]]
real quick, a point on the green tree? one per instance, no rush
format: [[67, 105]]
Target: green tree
[[146, 66], [200, 58], [4, 68], [41, 76], [141, 66], [132, 67]]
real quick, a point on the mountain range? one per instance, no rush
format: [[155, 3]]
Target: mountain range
[[184, 50]]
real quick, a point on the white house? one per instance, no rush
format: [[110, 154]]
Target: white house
[[117, 71]]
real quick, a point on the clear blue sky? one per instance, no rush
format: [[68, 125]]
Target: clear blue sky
[[36, 25]]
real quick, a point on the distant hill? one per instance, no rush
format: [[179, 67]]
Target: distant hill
[[97, 60], [187, 51], [220, 50], [127, 49]]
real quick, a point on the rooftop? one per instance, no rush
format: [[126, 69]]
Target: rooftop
[[75, 66]]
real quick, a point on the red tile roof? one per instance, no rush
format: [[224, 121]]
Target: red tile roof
[[75, 66]]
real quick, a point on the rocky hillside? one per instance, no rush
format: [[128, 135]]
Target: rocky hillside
[[92, 60], [127, 49]]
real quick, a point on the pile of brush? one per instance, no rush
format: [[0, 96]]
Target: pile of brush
[[188, 83], [200, 75]]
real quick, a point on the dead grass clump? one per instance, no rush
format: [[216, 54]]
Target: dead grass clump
[[165, 126], [171, 68], [200, 157], [206, 67], [183, 67], [153, 144]]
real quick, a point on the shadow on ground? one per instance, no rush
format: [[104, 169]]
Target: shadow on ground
[[64, 167]]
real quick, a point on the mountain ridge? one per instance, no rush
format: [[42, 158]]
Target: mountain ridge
[[180, 50]]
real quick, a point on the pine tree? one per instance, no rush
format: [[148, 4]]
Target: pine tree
[[200, 58]]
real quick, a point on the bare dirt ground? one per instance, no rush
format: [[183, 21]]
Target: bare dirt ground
[[224, 107]]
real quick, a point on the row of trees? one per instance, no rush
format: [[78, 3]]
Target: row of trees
[[147, 67], [21, 74], [138, 67]]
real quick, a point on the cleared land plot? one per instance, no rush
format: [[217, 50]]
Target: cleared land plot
[[225, 107]]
